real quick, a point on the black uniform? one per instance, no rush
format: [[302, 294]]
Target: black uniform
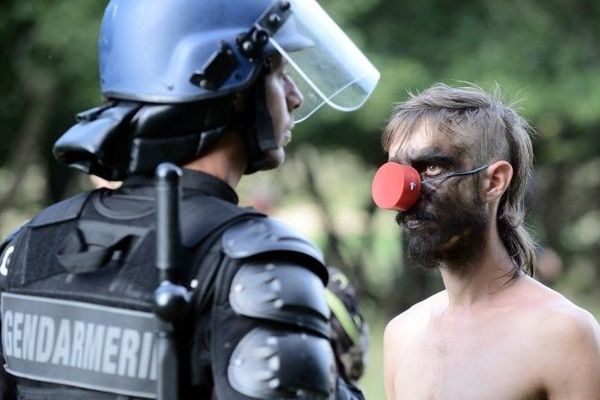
[[78, 282]]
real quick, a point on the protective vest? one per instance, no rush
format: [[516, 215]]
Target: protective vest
[[77, 301]]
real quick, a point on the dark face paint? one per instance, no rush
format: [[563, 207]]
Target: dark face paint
[[446, 225]]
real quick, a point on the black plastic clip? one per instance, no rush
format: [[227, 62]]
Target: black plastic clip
[[251, 43], [217, 69]]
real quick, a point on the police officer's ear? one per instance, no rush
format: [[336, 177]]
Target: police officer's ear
[[243, 100], [497, 180], [239, 102]]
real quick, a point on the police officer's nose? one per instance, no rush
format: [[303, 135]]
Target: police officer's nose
[[294, 96]]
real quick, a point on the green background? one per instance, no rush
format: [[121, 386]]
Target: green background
[[544, 54]]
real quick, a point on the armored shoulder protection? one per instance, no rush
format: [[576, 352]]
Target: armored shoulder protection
[[271, 322], [259, 237], [278, 277], [7, 248], [281, 292]]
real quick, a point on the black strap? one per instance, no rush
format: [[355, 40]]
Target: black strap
[[88, 252], [198, 222]]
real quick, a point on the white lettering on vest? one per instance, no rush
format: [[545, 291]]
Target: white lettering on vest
[[7, 325], [128, 354], [65, 342], [94, 338], [77, 352], [29, 331], [17, 334], [45, 339], [6, 260], [111, 348]]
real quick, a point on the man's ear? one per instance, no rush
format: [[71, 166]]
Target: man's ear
[[499, 175]]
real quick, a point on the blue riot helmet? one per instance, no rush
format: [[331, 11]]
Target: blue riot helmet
[[191, 50], [167, 69]]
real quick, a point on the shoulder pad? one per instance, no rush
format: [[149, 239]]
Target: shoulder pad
[[282, 292], [12, 235], [6, 253], [277, 364], [63, 211], [267, 235]]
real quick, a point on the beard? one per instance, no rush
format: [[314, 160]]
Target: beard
[[452, 236]]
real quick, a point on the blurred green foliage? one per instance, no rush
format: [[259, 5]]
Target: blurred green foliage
[[544, 54]]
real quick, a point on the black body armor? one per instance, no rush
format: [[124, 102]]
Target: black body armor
[[77, 286]]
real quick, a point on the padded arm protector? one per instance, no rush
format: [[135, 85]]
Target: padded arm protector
[[282, 292], [265, 236], [270, 336], [280, 364]]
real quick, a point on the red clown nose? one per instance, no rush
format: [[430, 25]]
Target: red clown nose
[[396, 186]]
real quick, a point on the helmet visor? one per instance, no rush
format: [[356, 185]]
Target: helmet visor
[[325, 64]]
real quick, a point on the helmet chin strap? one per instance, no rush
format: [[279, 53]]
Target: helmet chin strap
[[255, 126], [262, 134]]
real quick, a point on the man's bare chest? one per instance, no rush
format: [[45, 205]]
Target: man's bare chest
[[467, 365]]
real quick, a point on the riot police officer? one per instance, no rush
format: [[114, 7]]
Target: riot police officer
[[214, 87]]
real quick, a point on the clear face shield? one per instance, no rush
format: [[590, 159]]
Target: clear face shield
[[324, 63]]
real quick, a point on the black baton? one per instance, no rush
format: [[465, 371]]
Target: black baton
[[170, 299]]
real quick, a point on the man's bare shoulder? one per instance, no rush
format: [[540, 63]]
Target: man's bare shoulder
[[567, 343], [564, 321], [559, 313], [412, 320], [400, 332]]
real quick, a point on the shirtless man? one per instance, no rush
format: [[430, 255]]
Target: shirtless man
[[494, 333]]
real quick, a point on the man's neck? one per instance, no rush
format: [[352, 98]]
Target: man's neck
[[225, 160], [481, 280]]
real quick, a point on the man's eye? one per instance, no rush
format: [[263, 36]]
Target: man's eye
[[433, 170]]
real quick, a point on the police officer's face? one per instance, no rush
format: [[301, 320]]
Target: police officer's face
[[282, 97]]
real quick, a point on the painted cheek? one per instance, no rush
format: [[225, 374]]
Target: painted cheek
[[441, 196], [454, 198]]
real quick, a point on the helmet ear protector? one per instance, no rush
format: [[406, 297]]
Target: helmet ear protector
[[398, 187]]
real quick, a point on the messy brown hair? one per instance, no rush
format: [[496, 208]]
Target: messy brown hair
[[502, 134]]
